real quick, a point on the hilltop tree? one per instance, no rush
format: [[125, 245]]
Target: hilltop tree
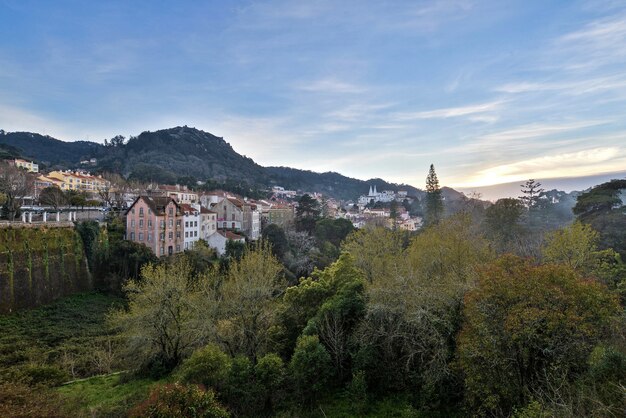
[[434, 200]]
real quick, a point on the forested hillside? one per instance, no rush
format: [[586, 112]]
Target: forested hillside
[[186, 154]]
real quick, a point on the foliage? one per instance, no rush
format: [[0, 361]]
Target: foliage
[[502, 220], [208, 366], [111, 395], [160, 322], [375, 250], [52, 196], [523, 322], [277, 238], [434, 200], [15, 183], [65, 335], [333, 230], [307, 214], [574, 246], [406, 338], [177, 400], [246, 301], [531, 191], [310, 368], [21, 401]]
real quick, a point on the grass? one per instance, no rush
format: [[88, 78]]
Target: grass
[[64, 334], [111, 395]]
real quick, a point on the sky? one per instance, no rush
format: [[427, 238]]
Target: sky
[[487, 91]]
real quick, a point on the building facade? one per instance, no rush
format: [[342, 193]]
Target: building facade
[[156, 222]]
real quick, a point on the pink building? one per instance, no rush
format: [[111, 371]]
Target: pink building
[[156, 222]]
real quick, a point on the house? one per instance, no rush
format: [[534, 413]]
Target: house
[[27, 165], [191, 225], [220, 238], [80, 181], [208, 222], [181, 194], [156, 222], [229, 213]]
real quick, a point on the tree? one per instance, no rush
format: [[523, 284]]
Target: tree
[[524, 323], [307, 214], [393, 213], [531, 191], [574, 246], [161, 321], [277, 238], [177, 400], [434, 200], [247, 295], [502, 219], [52, 196], [15, 183], [310, 368]]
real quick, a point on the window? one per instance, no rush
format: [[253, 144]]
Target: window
[[178, 222], [171, 211], [149, 237], [162, 236], [171, 235], [149, 223], [162, 224], [195, 223], [186, 234], [132, 223], [132, 236], [141, 223], [141, 212], [162, 250], [141, 236], [232, 217], [224, 208], [233, 225], [177, 247], [171, 223], [132, 211], [186, 224], [177, 234], [195, 233], [213, 227]]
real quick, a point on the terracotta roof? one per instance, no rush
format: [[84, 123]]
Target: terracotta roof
[[235, 202], [230, 235], [205, 210], [185, 207]]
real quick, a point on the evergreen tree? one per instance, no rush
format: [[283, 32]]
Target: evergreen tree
[[531, 191], [434, 200]]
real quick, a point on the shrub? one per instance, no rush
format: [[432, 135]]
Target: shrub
[[178, 400], [208, 366], [43, 375]]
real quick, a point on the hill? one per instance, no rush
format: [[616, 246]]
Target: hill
[[183, 154], [48, 150]]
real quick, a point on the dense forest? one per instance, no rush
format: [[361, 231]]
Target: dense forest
[[509, 311]]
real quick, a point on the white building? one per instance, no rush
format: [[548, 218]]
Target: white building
[[220, 238], [191, 225]]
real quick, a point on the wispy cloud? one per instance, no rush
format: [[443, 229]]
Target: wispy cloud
[[330, 85], [451, 112]]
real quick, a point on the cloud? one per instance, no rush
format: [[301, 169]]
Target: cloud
[[577, 87], [330, 85], [451, 112], [580, 163]]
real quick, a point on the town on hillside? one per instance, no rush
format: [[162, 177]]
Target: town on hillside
[[170, 219]]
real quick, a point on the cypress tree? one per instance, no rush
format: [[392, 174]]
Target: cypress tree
[[434, 200]]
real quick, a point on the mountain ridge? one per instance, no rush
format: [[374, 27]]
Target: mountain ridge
[[167, 155]]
